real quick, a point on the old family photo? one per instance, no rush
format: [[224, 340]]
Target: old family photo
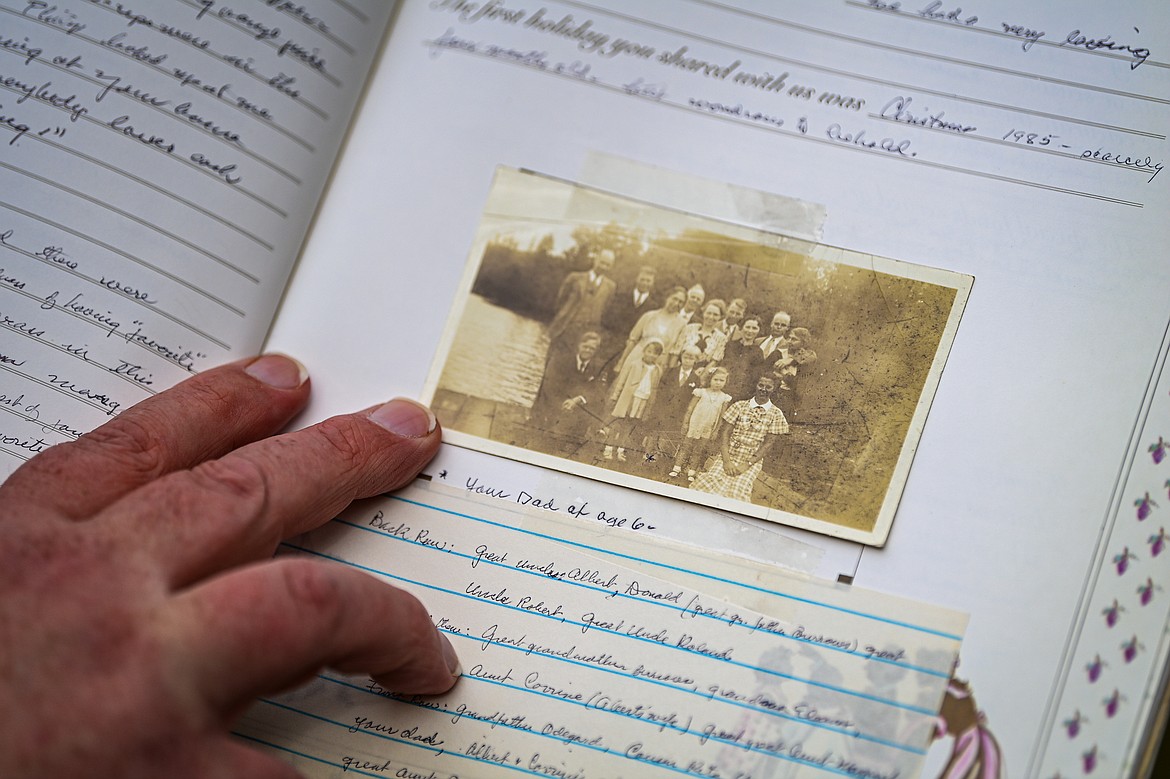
[[691, 358]]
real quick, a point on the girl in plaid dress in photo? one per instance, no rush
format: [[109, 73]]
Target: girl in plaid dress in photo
[[750, 429]]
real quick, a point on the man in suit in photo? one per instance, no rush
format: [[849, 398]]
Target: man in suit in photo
[[694, 303], [736, 310], [675, 391], [581, 301], [571, 395], [774, 346], [625, 308]]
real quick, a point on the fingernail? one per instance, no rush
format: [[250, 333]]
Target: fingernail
[[405, 417], [278, 371], [453, 664]]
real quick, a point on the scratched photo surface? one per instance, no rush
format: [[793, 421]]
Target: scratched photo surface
[[692, 358]]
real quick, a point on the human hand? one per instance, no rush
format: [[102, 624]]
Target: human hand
[[140, 611]]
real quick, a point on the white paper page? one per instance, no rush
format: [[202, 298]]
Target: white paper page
[[577, 662], [1112, 678], [159, 163], [1005, 503]]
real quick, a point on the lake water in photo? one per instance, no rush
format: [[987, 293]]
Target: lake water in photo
[[496, 355]]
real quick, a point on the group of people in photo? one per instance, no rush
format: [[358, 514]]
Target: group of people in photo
[[638, 375]]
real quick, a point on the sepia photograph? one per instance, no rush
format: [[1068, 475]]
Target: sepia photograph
[[696, 359]]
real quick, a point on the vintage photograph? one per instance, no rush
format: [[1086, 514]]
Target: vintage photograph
[[691, 358]]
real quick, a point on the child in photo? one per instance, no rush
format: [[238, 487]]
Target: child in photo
[[788, 387], [701, 422], [787, 370], [633, 395]]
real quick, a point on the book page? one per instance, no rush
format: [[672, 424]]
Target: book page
[[159, 164], [577, 664], [1116, 663], [1022, 144]]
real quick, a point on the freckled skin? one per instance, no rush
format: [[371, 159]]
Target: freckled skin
[[141, 609]]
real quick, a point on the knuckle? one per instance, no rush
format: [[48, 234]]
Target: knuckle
[[238, 478], [314, 585], [130, 442], [235, 491], [346, 442], [367, 462], [417, 630], [423, 635], [221, 506], [210, 397], [403, 463], [413, 633], [410, 612]]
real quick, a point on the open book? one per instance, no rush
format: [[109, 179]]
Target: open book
[[162, 162]]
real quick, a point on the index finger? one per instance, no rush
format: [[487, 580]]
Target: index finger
[[236, 509], [201, 418]]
